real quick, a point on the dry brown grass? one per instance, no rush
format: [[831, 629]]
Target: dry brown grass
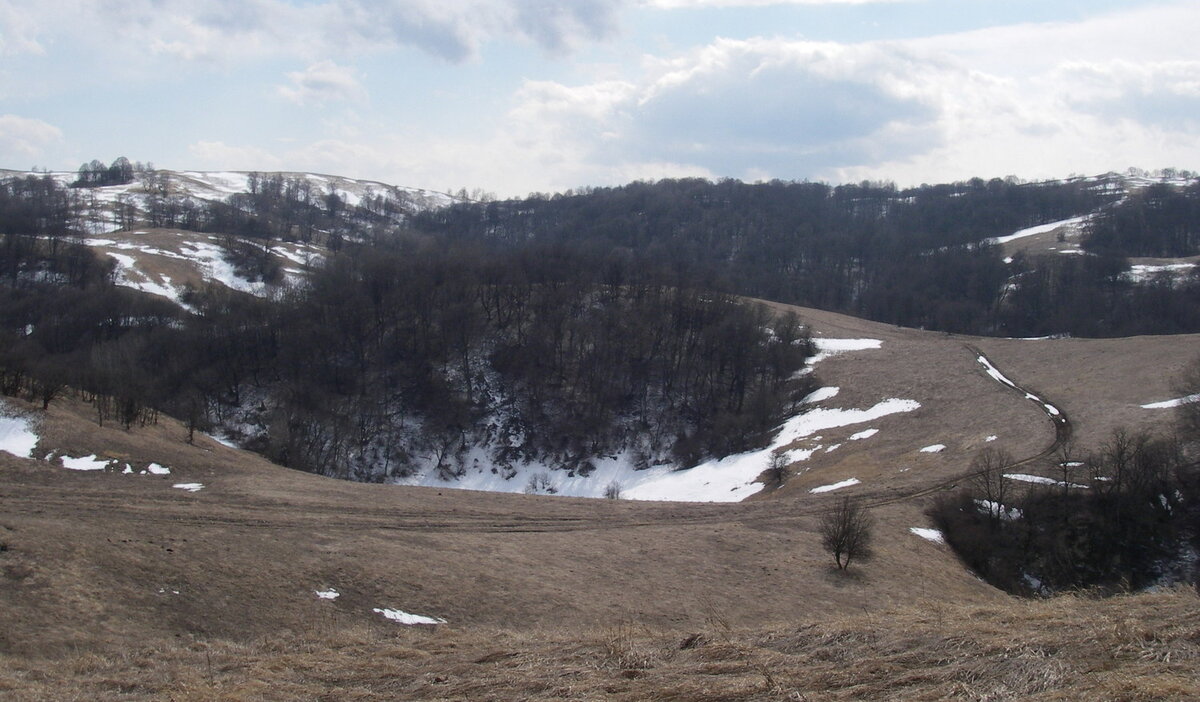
[[1137, 647]]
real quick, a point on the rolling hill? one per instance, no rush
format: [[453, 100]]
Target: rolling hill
[[122, 584], [155, 562]]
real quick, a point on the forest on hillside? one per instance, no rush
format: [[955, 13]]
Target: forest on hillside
[[915, 257], [402, 352], [553, 328]]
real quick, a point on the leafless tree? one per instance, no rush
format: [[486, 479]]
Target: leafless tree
[[989, 466], [1188, 387], [846, 532], [777, 468]]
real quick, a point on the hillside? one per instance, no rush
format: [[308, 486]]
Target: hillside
[[147, 590]]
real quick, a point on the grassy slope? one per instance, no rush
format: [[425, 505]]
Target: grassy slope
[[564, 597]]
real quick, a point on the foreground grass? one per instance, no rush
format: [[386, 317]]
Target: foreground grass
[[1137, 647]]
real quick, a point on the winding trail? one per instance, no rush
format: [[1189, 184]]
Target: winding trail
[[1058, 418]]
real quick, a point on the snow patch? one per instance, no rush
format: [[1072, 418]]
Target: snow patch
[[836, 486], [1072, 224], [929, 534], [156, 469], [934, 448], [16, 435], [85, 463], [1177, 402], [729, 479], [832, 347], [996, 509], [329, 594], [821, 394], [996, 375], [1140, 273], [401, 617], [190, 487], [1039, 480], [864, 434]]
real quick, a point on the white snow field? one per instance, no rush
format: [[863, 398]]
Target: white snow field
[[16, 434], [730, 479], [1072, 224]]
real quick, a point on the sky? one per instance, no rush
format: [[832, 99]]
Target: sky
[[519, 96]]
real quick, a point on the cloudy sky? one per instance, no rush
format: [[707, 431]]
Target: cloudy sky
[[515, 96]]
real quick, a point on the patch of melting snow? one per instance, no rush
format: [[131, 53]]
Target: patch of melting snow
[[1039, 480], [929, 534], [836, 486], [996, 375], [224, 440], [16, 436], [864, 434], [190, 487], [85, 463], [1177, 402], [1072, 223], [401, 617], [993, 437], [998, 510], [1142, 272], [821, 394], [832, 347], [935, 448], [156, 469], [330, 594]]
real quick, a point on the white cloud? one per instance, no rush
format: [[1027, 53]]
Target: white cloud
[[742, 108], [26, 137], [223, 30], [1032, 100], [18, 34], [322, 83]]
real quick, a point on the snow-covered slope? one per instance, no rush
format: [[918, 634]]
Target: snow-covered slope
[[166, 261]]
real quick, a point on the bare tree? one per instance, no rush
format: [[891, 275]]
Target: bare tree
[[1188, 386], [988, 468], [777, 468], [846, 532]]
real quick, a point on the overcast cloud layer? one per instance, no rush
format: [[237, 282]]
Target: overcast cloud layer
[[514, 96]]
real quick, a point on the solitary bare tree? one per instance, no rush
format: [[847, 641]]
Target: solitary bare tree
[[777, 468], [846, 532]]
